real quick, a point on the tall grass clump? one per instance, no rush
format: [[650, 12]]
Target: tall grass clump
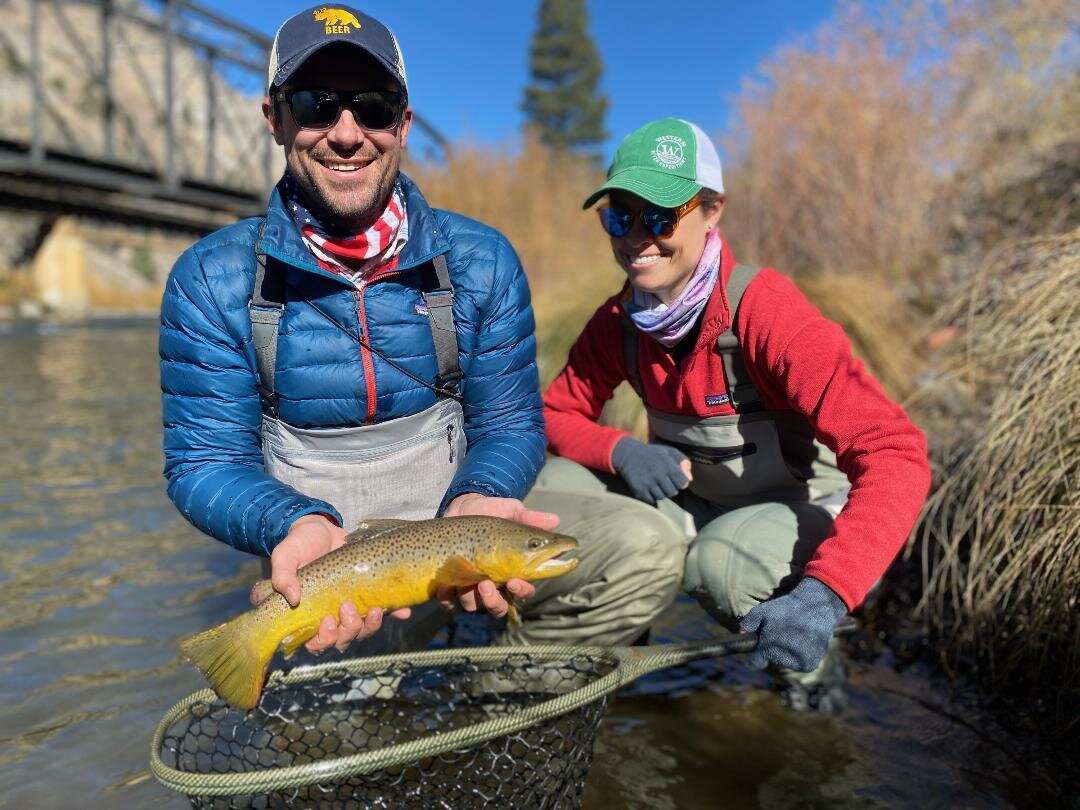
[[1000, 539]]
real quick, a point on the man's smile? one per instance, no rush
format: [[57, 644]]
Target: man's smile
[[343, 166]]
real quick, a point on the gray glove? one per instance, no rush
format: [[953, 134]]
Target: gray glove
[[794, 630], [651, 471]]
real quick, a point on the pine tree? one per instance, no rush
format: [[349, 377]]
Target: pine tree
[[562, 102]]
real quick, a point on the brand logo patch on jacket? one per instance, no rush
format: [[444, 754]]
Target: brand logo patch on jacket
[[712, 400], [420, 309]]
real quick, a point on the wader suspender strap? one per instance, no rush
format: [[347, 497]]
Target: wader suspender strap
[[629, 351], [439, 296], [744, 397], [267, 304]]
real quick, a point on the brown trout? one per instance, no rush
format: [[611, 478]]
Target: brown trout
[[384, 563]]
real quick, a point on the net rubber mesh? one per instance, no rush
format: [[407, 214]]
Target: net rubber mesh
[[429, 730]]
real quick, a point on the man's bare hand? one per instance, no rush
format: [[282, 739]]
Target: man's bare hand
[[473, 503], [486, 594], [309, 538]]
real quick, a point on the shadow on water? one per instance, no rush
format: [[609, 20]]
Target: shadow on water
[[101, 578]]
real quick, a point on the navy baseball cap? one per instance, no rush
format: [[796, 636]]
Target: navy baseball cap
[[300, 36]]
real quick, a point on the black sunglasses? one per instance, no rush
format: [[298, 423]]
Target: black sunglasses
[[313, 108], [618, 221]]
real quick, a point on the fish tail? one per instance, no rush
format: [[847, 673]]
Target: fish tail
[[232, 659]]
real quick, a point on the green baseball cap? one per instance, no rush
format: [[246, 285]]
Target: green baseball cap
[[665, 162]]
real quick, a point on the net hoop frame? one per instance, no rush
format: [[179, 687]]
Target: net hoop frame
[[628, 663]]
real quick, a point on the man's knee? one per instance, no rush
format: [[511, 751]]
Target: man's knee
[[653, 553], [562, 475], [631, 567]]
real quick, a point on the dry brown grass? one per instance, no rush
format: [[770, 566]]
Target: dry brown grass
[[1000, 540], [865, 150], [885, 331], [534, 197], [833, 176]]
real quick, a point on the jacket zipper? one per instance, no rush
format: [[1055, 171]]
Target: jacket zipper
[[365, 354], [450, 441]]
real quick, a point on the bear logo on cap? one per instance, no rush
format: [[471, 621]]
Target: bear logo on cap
[[669, 151], [337, 20]]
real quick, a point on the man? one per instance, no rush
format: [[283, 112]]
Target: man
[[356, 353]]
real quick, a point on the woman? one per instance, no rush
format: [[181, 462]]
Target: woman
[[796, 477]]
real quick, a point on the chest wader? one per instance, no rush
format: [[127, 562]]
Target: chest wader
[[764, 492], [400, 468], [752, 456]]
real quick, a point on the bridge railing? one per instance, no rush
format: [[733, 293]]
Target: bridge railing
[[172, 94]]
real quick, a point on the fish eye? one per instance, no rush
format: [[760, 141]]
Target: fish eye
[[535, 543]]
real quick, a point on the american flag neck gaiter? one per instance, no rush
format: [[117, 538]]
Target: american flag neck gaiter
[[357, 257]]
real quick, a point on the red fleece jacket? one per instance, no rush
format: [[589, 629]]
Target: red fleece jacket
[[799, 361]]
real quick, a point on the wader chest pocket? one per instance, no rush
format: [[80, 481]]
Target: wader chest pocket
[[400, 468], [735, 460], [712, 455]]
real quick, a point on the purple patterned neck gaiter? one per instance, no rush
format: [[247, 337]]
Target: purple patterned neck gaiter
[[668, 324]]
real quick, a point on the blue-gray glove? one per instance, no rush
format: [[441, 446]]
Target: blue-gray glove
[[651, 471], [794, 630]]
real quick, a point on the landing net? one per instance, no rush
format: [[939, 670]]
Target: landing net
[[456, 728]]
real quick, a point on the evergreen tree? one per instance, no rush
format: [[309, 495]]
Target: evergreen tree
[[562, 101]]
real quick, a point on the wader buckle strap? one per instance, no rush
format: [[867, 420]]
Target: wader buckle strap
[[630, 345], [265, 308], [438, 294], [744, 396]]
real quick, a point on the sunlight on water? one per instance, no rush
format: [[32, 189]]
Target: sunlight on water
[[101, 578]]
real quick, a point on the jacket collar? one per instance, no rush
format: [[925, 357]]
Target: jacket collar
[[281, 239]]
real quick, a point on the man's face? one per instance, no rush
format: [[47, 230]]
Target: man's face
[[345, 172]]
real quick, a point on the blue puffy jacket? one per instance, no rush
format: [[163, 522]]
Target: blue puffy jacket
[[212, 411]]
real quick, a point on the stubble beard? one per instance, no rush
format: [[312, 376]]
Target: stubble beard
[[356, 208]]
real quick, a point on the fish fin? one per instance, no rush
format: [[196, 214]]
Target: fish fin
[[459, 572], [373, 527], [292, 642], [261, 589], [513, 613], [233, 658]]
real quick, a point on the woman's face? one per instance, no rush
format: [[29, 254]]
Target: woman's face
[[661, 265]]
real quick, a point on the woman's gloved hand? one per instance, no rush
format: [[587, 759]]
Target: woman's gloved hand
[[794, 630], [652, 471]]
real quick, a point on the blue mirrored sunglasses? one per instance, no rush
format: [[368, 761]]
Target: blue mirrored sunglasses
[[618, 221]]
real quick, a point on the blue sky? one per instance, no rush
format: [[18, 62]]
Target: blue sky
[[468, 60]]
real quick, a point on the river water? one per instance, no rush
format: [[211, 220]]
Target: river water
[[100, 578]]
